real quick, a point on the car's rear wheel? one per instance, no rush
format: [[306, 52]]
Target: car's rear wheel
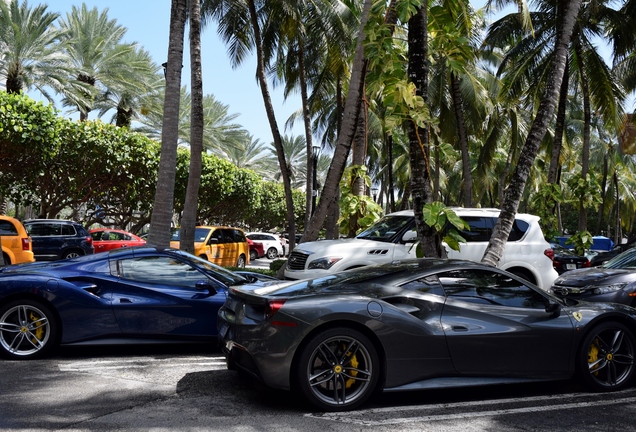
[[606, 358], [272, 253], [338, 369], [72, 254], [241, 261], [28, 329]]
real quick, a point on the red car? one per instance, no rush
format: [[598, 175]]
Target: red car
[[256, 249], [105, 239]]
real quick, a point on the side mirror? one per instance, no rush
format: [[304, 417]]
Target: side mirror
[[409, 237], [553, 308], [213, 240], [204, 285]]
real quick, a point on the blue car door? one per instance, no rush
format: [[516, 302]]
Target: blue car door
[[158, 296]]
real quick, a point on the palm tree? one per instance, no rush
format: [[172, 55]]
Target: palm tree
[[188, 221], [93, 44], [240, 26], [30, 51], [161, 218], [509, 207]]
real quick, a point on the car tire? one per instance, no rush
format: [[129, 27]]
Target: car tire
[[71, 254], [272, 253], [347, 378], [253, 255], [241, 261], [203, 256], [606, 357], [28, 329]]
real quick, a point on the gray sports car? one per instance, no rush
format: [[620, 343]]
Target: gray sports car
[[420, 324]]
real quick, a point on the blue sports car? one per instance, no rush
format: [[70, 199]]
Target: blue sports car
[[125, 296]]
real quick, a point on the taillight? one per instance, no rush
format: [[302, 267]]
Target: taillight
[[26, 244], [272, 307], [549, 253], [89, 240], [587, 263]]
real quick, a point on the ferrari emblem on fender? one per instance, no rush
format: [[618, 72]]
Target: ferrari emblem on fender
[[578, 316]]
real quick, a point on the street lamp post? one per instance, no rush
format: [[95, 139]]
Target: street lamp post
[[314, 192], [374, 193]]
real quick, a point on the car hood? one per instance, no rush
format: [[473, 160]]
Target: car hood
[[336, 247], [594, 276]]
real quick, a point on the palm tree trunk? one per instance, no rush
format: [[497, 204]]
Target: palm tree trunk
[[585, 157], [559, 128], [494, 250], [419, 151], [269, 109], [188, 222], [463, 140], [345, 136], [309, 185], [162, 212]]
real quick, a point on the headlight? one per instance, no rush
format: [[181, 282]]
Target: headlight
[[323, 263], [606, 289]]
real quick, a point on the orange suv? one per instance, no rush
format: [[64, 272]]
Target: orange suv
[[224, 246], [16, 243]]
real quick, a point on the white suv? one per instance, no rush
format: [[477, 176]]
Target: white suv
[[526, 254], [272, 244]]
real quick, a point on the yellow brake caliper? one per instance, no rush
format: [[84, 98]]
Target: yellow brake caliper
[[354, 363], [39, 328], [592, 355]]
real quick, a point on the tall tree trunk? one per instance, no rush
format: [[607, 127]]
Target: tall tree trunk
[[585, 156], [345, 135], [269, 109], [311, 158], [391, 186], [418, 137], [494, 250], [463, 140], [162, 212], [559, 128], [190, 207]]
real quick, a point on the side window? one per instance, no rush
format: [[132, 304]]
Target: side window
[[426, 285], [7, 228], [480, 229], [67, 230], [490, 287], [47, 229], [518, 230], [160, 271], [116, 236], [239, 236]]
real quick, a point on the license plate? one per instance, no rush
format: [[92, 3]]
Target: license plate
[[223, 330], [570, 266]]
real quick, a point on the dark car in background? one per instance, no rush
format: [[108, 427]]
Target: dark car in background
[[603, 257], [564, 259], [55, 239], [614, 281]]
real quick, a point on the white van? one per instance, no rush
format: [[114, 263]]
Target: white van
[[527, 253]]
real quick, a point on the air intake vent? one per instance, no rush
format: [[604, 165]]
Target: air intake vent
[[378, 252]]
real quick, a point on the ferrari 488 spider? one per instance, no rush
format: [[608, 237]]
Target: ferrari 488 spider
[[421, 324], [131, 295]]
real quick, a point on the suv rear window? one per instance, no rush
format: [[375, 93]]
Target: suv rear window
[[7, 228]]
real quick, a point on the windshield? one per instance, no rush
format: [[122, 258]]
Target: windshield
[[219, 273], [200, 234], [626, 260], [386, 228]]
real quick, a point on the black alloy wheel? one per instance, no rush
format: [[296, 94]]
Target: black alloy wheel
[[606, 358], [338, 369]]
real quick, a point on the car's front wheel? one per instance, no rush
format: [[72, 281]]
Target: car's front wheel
[[241, 261], [606, 358], [72, 254], [253, 255], [28, 329], [338, 369]]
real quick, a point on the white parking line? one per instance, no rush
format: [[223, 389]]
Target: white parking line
[[351, 417]]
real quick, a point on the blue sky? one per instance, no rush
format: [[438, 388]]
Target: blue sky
[[148, 23]]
